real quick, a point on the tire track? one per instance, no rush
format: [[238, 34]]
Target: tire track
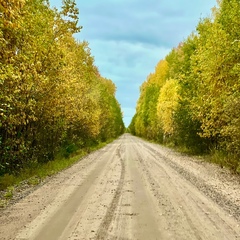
[[102, 231], [129, 190], [200, 184], [167, 199], [71, 188]]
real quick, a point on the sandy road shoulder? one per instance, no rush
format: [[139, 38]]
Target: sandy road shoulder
[[50, 196], [190, 211], [219, 184], [131, 189]]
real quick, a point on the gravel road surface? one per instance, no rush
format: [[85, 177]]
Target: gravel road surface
[[130, 190]]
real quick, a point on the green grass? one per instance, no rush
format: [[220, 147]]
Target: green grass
[[225, 160], [9, 192], [36, 172], [3, 203], [218, 157]]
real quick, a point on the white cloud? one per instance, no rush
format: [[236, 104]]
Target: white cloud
[[128, 38], [123, 60]]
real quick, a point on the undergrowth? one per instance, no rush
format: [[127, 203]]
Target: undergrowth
[[36, 172], [225, 160], [216, 156]]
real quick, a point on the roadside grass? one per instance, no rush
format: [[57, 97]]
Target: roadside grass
[[217, 157], [225, 160], [36, 172], [214, 156], [9, 193]]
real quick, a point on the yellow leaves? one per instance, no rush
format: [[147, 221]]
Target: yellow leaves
[[167, 105], [146, 119], [109, 85], [51, 93], [10, 11], [214, 63], [161, 71], [158, 77], [198, 86]]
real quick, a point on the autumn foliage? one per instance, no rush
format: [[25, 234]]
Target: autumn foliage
[[193, 99], [52, 97]]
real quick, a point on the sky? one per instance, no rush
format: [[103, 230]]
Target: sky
[[129, 37]]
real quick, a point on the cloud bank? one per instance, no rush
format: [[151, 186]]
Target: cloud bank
[[128, 38]]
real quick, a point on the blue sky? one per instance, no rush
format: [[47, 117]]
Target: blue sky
[[128, 38]]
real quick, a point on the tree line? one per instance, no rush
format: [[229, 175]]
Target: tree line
[[52, 97], [192, 100]]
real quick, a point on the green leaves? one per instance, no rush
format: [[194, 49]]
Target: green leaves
[[198, 97], [51, 93], [146, 120], [168, 102]]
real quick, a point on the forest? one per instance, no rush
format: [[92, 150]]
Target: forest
[[192, 99], [53, 99]]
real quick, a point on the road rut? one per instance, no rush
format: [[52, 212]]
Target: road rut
[[128, 190]]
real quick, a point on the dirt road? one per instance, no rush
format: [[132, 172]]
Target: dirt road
[[130, 189]]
